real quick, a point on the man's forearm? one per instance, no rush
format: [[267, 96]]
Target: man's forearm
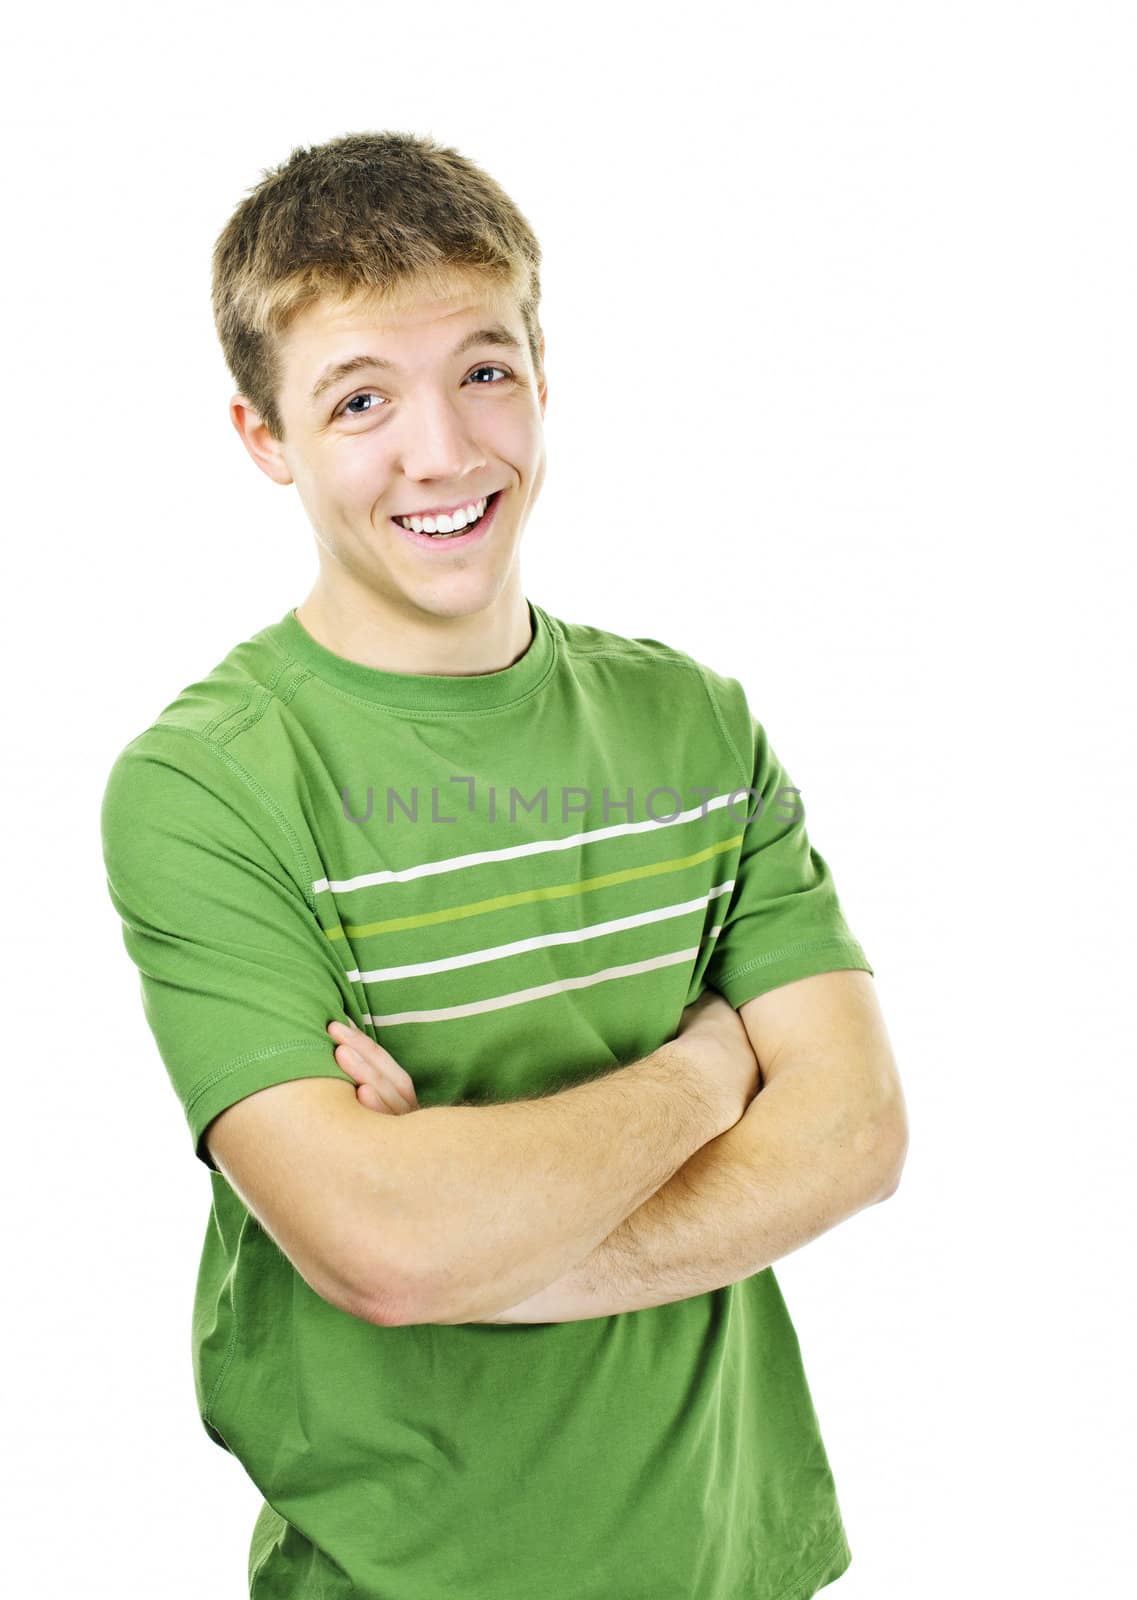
[[492, 1202], [805, 1155]]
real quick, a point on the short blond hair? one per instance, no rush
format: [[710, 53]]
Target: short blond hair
[[386, 215]]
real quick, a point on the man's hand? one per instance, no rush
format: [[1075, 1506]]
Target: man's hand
[[381, 1084], [711, 1026]]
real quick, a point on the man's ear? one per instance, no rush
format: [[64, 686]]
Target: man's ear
[[266, 451]]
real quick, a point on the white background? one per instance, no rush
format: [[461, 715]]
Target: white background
[[839, 303]]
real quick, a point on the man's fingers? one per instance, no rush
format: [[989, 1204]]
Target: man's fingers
[[374, 1076], [373, 1053], [370, 1064], [385, 1099]]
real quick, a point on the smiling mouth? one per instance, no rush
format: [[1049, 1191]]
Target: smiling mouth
[[436, 532], [466, 534]]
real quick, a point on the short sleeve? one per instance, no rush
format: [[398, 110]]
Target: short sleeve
[[784, 919], [238, 978]]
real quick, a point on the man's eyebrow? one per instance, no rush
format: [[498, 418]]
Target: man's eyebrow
[[497, 335]]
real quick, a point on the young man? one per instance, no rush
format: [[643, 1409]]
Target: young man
[[485, 1305]]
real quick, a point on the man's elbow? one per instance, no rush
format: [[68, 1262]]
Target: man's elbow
[[406, 1294], [383, 1288], [386, 1307], [412, 1308], [893, 1154], [442, 1294]]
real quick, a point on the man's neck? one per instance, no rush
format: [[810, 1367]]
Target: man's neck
[[487, 641]]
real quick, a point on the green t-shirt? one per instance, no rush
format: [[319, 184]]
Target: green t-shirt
[[516, 881]]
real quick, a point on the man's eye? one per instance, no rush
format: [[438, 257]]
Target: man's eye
[[368, 394], [492, 369]]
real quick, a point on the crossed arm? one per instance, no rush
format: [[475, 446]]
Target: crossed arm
[[825, 1136]]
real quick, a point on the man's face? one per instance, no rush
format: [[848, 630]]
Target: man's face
[[450, 421]]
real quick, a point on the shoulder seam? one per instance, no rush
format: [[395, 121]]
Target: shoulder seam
[[747, 775], [674, 660], [256, 788], [287, 662], [691, 664], [262, 694]]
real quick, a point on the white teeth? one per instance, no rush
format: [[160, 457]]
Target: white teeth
[[464, 517]]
